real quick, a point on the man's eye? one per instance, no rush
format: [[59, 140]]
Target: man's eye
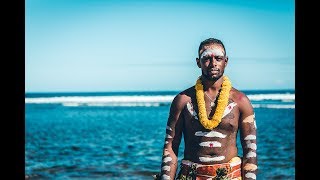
[[206, 59], [219, 58]]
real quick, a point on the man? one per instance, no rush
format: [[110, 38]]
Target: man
[[209, 116]]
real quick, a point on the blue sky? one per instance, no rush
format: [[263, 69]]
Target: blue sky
[[99, 45]]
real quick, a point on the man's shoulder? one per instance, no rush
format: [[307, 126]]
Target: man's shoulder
[[185, 96], [239, 96]]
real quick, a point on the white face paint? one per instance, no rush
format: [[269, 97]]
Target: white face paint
[[251, 154], [250, 175], [210, 134], [165, 177], [215, 51], [229, 109], [210, 159], [168, 136], [167, 159], [166, 168], [169, 128], [251, 145], [250, 137], [249, 119], [210, 144]]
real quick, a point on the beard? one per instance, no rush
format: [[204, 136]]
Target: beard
[[212, 77]]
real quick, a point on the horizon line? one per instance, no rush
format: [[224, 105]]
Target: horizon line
[[139, 91]]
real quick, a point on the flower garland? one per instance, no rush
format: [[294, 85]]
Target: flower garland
[[221, 105]]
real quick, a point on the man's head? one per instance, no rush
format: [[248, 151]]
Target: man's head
[[212, 58], [209, 41]]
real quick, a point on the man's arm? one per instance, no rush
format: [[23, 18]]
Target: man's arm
[[172, 139], [248, 137]]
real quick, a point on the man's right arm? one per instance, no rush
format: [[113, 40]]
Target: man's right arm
[[172, 139]]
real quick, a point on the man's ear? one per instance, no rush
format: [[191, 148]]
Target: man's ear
[[226, 61], [198, 62]]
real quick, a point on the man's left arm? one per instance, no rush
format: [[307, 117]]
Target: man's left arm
[[248, 137]]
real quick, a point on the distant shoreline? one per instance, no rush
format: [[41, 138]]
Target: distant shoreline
[[151, 92]]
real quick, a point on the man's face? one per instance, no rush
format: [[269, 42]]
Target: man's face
[[212, 61]]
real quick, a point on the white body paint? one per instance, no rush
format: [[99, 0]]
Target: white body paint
[[192, 112], [210, 134], [250, 167], [169, 128], [210, 52], [167, 159], [166, 142], [250, 175], [210, 159], [249, 119], [166, 168], [250, 137], [251, 145], [251, 154], [229, 109], [168, 136], [210, 144], [165, 177]]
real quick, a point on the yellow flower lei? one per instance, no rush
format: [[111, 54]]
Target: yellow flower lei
[[221, 105]]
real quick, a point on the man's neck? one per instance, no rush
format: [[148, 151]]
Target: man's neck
[[211, 85]]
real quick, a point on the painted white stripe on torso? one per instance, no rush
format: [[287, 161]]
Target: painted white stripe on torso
[[192, 112], [166, 168], [169, 128], [251, 154], [210, 159], [229, 109], [250, 137], [210, 134], [210, 144], [166, 142], [167, 159], [250, 175], [251, 145], [165, 177], [168, 136]]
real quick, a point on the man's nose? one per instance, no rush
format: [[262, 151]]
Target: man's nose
[[213, 61]]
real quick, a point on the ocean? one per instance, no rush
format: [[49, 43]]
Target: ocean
[[120, 135]]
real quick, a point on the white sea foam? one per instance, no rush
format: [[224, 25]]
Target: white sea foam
[[102, 100], [283, 97], [143, 100], [274, 106]]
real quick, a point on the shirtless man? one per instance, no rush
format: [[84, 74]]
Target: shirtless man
[[209, 116]]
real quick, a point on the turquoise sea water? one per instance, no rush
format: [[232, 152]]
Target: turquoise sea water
[[120, 135]]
